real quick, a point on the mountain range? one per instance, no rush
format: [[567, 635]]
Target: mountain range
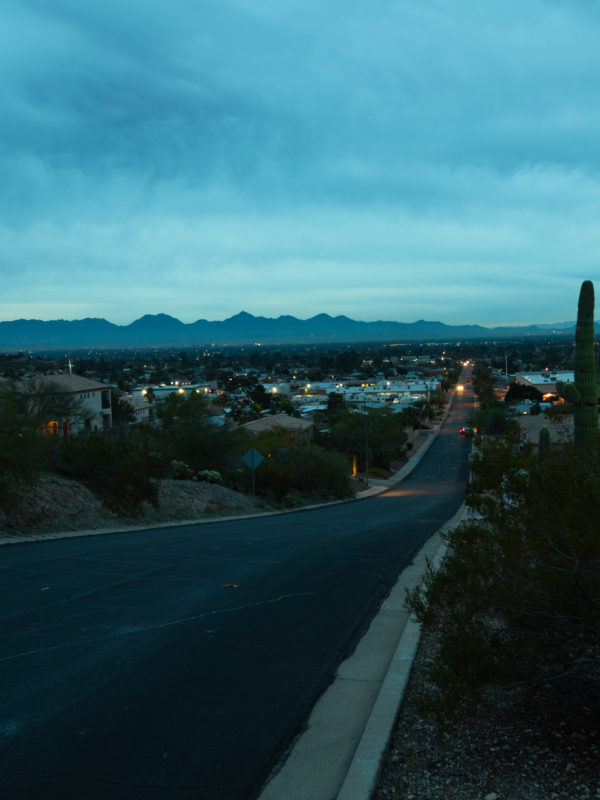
[[162, 330]]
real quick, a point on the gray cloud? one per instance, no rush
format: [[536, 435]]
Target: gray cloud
[[397, 161]]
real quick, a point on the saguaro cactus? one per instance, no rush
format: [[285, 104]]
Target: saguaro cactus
[[586, 411], [544, 439], [583, 394]]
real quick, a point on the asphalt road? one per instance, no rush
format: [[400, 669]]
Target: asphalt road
[[180, 663]]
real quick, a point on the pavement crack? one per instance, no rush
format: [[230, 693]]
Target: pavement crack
[[129, 630]]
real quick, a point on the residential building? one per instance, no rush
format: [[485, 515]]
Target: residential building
[[95, 408], [545, 382], [295, 426]]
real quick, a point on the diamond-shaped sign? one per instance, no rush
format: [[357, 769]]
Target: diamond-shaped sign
[[253, 458]]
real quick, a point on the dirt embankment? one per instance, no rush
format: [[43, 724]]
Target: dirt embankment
[[60, 504]]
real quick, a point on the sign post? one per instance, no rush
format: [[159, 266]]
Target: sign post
[[252, 459]]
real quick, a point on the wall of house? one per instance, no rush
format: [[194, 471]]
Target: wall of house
[[97, 411]]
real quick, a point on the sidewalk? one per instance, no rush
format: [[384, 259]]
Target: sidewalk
[[340, 753]]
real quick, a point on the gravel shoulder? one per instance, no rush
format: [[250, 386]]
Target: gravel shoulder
[[540, 745]]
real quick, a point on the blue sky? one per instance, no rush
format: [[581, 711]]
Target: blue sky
[[391, 160]]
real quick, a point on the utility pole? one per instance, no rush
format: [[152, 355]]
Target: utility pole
[[366, 437]]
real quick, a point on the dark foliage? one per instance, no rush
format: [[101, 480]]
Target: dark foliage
[[516, 601], [187, 434], [294, 467], [518, 391], [119, 470], [23, 452], [378, 431]]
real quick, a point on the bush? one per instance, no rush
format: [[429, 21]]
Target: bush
[[210, 476], [187, 434], [516, 602], [382, 429], [181, 471], [24, 453], [118, 471], [292, 466]]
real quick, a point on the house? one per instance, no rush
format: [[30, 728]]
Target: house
[[561, 428], [95, 411], [545, 382], [296, 427]]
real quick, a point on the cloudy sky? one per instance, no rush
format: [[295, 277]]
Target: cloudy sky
[[386, 160]]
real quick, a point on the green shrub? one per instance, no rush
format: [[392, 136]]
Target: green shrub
[[117, 470], [181, 471], [291, 466], [210, 476], [516, 601], [187, 434], [24, 453], [381, 429]]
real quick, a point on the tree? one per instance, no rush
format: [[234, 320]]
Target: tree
[[437, 399], [347, 361], [412, 416], [187, 434], [516, 601], [22, 451], [519, 391], [335, 404], [260, 396], [122, 411], [382, 430], [25, 410], [42, 401], [291, 466], [118, 469], [283, 405]]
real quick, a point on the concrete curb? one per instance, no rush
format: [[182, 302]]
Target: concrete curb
[[361, 779], [340, 752]]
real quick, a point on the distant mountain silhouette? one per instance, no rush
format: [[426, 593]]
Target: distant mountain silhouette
[[162, 330]]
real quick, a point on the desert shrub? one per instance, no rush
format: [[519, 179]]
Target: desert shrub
[[24, 453], [293, 466], [210, 476], [187, 434], [181, 471], [308, 469], [117, 469], [516, 601]]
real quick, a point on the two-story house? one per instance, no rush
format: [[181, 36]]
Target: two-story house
[[94, 409]]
